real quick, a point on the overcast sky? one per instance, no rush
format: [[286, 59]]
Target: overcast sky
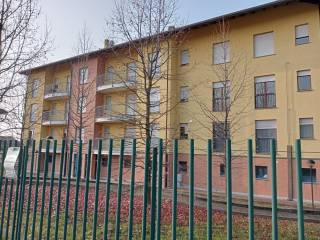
[[66, 18]]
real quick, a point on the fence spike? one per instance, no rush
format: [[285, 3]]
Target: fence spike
[[159, 196], [132, 182], [274, 190], [174, 192], [209, 190], [250, 191], [145, 190], [229, 189]]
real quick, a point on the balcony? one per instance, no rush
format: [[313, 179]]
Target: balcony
[[104, 114], [105, 85], [57, 90], [115, 147], [54, 118], [44, 147]]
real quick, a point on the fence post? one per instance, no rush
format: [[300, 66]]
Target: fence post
[[250, 191], [191, 190], [66, 213], [299, 190], [153, 193], [62, 160], [44, 185], [86, 194], [107, 197], [3, 206], [145, 190], [229, 189], [274, 190], [9, 210], [29, 190], [209, 189], [119, 193], [75, 210], [96, 196], [53, 163], [174, 192], [35, 204], [2, 162], [16, 198], [159, 196], [133, 169]]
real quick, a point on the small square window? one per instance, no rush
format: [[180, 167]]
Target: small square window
[[302, 34], [221, 53], [183, 167], [261, 172], [304, 80], [263, 44], [185, 57], [184, 94], [222, 170], [306, 128], [183, 131], [309, 175]]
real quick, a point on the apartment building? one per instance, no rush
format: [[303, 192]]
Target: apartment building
[[270, 53]]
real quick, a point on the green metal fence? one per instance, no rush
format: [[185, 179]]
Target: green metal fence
[[23, 215]]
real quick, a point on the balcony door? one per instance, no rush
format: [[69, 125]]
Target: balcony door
[[131, 105], [108, 104]]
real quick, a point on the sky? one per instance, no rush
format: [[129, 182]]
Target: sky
[[65, 18]]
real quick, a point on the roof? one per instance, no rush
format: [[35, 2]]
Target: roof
[[186, 27]]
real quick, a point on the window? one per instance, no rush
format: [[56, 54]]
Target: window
[[82, 105], [302, 34], [222, 170], [184, 94], [185, 57], [155, 134], [266, 130], [261, 172], [131, 104], [110, 73], [304, 80], [221, 53], [30, 134], [33, 112], [154, 64], [127, 162], [35, 88], [220, 134], [131, 72], [184, 131], [106, 133], [155, 100], [221, 96], [108, 103], [306, 128], [182, 167], [263, 44], [265, 92], [83, 75], [309, 175], [78, 130]]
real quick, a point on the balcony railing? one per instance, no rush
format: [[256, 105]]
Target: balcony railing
[[104, 84], [51, 146], [58, 89], [115, 146], [105, 114], [54, 118]]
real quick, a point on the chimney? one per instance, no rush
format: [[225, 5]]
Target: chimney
[[108, 43], [171, 28]]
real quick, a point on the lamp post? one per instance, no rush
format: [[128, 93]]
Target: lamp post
[[311, 165]]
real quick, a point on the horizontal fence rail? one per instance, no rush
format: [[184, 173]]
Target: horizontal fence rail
[[58, 192]]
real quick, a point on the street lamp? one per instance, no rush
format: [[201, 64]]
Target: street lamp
[[311, 165]]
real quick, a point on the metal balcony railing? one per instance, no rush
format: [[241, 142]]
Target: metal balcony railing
[[106, 113], [54, 117], [116, 145], [116, 82], [58, 88]]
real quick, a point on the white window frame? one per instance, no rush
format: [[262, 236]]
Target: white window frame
[[221, 52], [35, 88], [184, 57], [83, 75], [304, 73], [155, 100], [184, 94], [302, 34], [263, 46], [306, 122]]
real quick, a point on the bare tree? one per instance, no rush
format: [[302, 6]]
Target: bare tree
[[228, 105], [21, 46], [82, 100]]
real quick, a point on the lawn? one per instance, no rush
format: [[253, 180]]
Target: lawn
[[287, 228]]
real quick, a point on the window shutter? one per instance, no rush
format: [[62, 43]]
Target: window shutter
[[266, 124], [263, 44], [302, 31]]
